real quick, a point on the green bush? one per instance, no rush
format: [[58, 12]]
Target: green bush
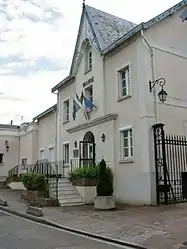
[[90, 172], [105, 180], [33, 181]]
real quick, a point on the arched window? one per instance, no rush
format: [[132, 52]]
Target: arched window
[[88, 58]]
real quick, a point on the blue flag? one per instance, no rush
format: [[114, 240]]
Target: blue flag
[[88, 105]]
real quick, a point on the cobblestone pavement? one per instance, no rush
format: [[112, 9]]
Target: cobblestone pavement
[[17, 233], [163, 227]]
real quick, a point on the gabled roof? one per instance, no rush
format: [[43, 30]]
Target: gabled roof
[[46, 112], [106, 32], [108, 28]]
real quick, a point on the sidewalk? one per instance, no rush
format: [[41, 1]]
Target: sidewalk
[[153, 227]]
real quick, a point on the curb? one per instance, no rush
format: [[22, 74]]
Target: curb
[[72, 230]]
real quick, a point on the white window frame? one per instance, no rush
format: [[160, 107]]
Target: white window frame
[[119, 72], [42, 150], [51, 147], [66, 118], [130, 144], [63, 150]]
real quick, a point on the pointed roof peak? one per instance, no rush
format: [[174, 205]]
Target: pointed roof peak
[[107, 27], [83, 3]]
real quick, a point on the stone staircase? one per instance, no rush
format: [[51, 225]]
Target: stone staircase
[[68, 194]]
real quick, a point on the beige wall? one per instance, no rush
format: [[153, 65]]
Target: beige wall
[[10, 158], [170, 60], [29, 143], [46, 134]]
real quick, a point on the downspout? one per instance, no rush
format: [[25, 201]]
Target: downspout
[[56, 127], [153, 74], [18, 161]]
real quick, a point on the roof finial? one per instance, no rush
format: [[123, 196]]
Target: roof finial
[[83, 3]]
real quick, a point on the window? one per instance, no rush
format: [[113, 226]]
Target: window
[[126, 144], [1, 158], [51, 154], [41, 154], [66, 153], [89, 92], [66, 111], [124, 82], [23, 161], [88, 58]]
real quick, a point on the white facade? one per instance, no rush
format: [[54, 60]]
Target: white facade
[[113, 62], [119, 75]]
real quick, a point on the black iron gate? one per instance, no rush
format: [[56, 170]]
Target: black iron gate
[[87, 153], [171, 166]]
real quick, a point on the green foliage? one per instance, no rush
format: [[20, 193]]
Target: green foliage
[[90, 172], [105, 180], [33, 181]]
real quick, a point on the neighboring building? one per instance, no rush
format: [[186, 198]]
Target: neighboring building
[[28, 143], [113, 62], [9, 146], [46, 123]]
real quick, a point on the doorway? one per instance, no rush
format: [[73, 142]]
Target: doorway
[[87, 150]]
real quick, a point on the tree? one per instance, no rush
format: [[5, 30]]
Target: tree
[[105, 180]]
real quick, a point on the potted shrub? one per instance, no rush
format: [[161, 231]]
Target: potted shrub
[[104, 199], [35, 185], [85, 176], [85, 180]]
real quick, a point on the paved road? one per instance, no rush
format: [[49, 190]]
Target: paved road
[[17, 233]]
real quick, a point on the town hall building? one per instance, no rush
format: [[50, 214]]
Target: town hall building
[[108, 103], [125, 101]]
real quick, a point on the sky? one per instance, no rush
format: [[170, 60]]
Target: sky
[[37, 39]]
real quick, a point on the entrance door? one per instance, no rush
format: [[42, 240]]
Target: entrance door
[[87, 150]]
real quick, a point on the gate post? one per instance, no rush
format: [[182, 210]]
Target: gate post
[[160, 160]]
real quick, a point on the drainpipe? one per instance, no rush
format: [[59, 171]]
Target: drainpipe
[[153, 74], [56, 127]]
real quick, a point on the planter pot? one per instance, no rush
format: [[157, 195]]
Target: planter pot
[[84, 182], [104, 202], [34, 195], [87, 193]]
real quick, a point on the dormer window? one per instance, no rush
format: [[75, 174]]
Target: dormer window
[[88, 58]]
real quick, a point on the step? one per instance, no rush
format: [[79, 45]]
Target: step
[[64, 184], [67, 197], [70, 204], [66, 188], [63, 180], [67, 192], [74, 200]]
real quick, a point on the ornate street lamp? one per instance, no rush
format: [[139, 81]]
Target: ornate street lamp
[[162, 94]]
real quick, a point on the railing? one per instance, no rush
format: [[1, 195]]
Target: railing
[[14, 171]]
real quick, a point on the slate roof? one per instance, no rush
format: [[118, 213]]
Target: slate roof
[[108, 28]]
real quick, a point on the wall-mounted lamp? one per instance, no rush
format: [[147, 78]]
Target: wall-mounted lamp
[[103, 137], [7, 147], [75, 144], [162, 94]]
